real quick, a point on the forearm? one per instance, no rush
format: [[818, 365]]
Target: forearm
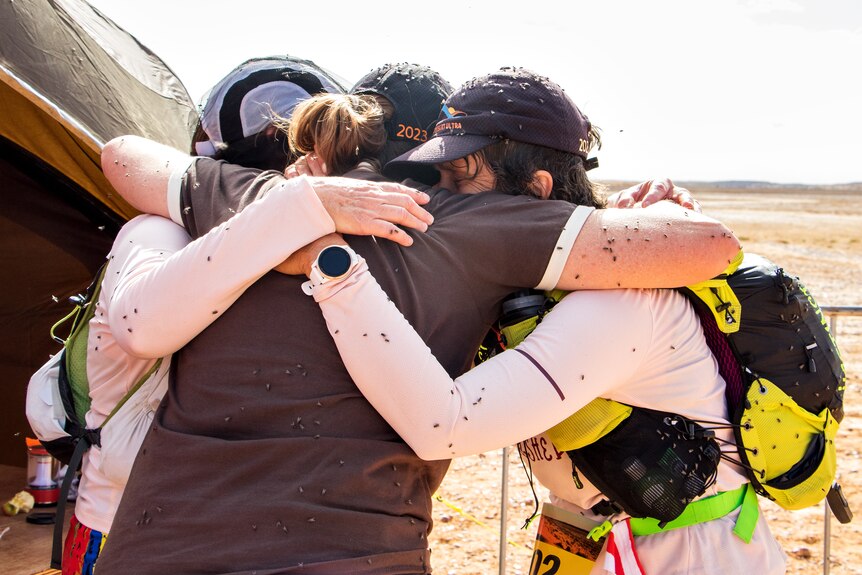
[[167, 303], [659, 246], [502, 401], [403, 380]]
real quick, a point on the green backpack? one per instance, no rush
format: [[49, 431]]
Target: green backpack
[[58, 399]]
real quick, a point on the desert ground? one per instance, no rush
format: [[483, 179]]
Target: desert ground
[[815, 234]]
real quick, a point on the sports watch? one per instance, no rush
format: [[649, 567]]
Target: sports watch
[[331, 264]]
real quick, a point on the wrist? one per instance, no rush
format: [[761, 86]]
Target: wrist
[[308, 262], [331, 264]]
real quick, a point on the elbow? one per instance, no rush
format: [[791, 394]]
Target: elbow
[[725, 247], [430, 453], [139, 344], [113, 161], [426, 449], [109, 156]]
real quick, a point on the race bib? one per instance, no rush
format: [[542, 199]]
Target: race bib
[[562, 546]]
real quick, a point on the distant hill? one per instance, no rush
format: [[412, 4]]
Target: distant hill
[[748, 185], [753, 184]]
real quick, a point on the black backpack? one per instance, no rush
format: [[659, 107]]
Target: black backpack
[[785, 388], [785, 379]]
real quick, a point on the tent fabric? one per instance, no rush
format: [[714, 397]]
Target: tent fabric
[[39, 133], [90, 76], [70, 80], [48, 247]]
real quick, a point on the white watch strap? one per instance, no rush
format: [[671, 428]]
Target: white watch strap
[[316, 278]]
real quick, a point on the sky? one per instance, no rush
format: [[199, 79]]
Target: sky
[[764, 90]]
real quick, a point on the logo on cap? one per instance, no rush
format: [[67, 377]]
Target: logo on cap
[[451, 112], [410, 133], [445, 125]]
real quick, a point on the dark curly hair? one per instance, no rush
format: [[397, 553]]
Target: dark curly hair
[[515, 163]]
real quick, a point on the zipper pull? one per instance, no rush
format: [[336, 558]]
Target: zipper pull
[[812, 366], [577, 479]]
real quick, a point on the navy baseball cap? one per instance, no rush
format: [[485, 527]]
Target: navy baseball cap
[[512, 103]]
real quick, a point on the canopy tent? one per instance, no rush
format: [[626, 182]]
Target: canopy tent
[[70, 80]]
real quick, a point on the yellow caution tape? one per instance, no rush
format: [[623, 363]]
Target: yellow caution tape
[[463, 513]]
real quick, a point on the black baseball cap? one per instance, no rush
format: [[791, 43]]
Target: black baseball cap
[[416, 93], [512, 103]]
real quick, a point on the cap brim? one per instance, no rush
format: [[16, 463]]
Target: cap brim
[[437, 150]]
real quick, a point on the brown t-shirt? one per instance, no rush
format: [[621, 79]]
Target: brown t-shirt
[[264, 457]]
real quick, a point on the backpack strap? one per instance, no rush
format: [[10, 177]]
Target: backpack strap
[[80, 302], [701, 511], [88, 437], [76, 346], [131, 392], [75, 311], [589, 424], [81, 447], [728, 365], [720, 298], [709, 509]]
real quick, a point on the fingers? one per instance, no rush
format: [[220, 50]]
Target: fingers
[[414, 214], [409, 215], [296, 169], [685, 198], [380, 226], [308, 165], [291, 172], [315, 165], [612, 201], [392, 187], [626, 198], [652, 191], [656, 191], [397, 204], [391, 232], [368, 208], [622, 199], [662, 189]]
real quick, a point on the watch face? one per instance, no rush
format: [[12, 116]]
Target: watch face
[[334, 261]]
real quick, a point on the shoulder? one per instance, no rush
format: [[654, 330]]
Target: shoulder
[[504, 206], [608, 306], [209, 168], [368, 172], [648, 311], [148, 222], [151, 230]]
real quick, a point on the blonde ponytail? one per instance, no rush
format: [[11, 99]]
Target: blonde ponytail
[[342, 129]]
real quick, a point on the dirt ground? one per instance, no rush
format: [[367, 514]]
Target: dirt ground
[[814, 234]]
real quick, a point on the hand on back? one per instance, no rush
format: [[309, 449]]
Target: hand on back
[[373, 208], [650, 192]]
